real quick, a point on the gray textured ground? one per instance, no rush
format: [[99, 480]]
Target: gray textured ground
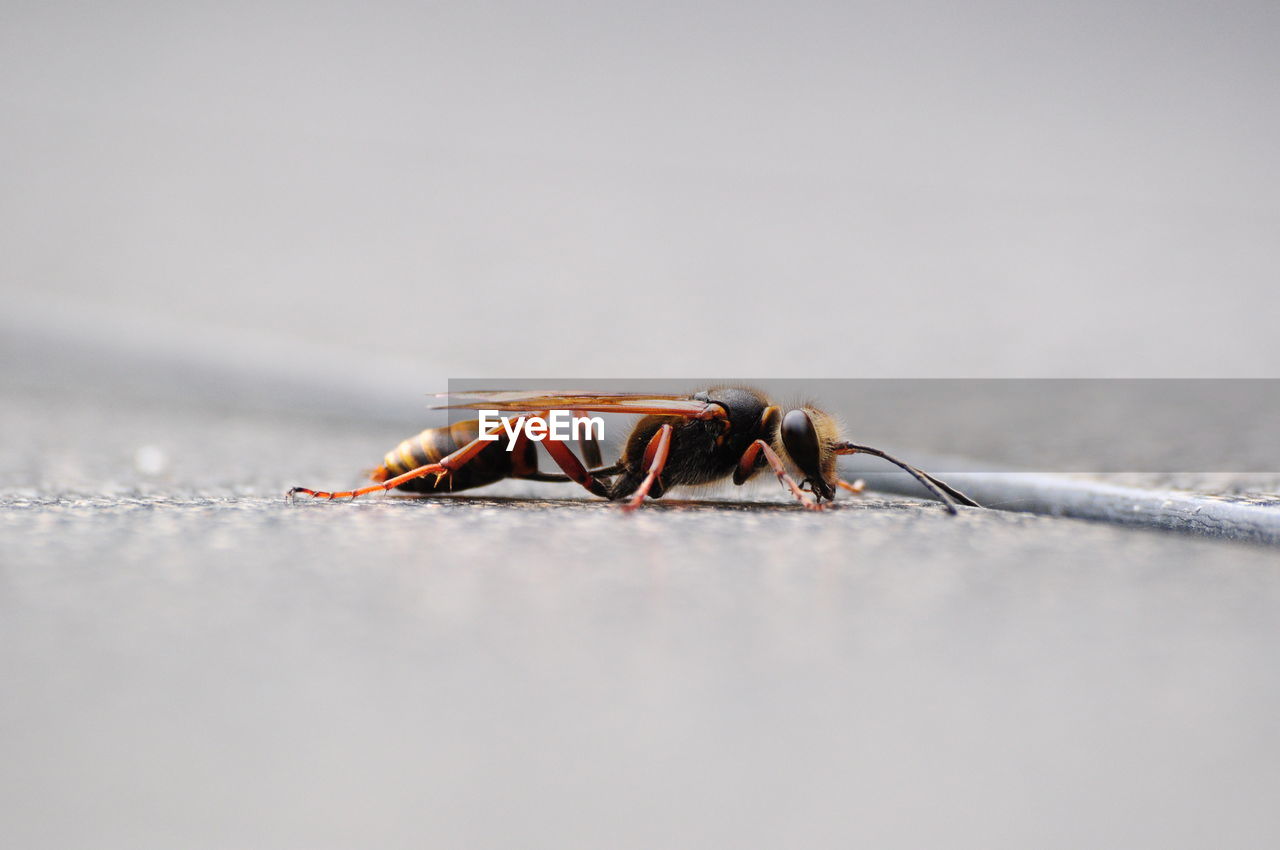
[[239, 243], [189, 661]]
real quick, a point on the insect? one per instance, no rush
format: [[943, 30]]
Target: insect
[[679, 441]]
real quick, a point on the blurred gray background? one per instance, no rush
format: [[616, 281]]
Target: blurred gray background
[[239, 243], [600, 189]]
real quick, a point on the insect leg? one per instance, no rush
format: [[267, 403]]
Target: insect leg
[[747, 465], [557, 478], [573, 467], [447, 464], [563, 457], [589, 446], [945, 492], [655, 458], [768, 425], [856, 487], [524, 462]]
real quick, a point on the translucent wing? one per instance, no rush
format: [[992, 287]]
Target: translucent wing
[[639, 403]]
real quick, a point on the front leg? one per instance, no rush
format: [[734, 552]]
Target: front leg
[[655, 459], [747, 467]]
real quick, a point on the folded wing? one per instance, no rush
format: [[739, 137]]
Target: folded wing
[[635, 403]]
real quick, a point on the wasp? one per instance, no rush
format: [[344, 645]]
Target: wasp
[[679, 441]]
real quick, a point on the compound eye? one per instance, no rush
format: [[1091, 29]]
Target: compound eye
[[801, 441]]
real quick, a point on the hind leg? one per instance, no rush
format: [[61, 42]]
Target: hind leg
[[445, 466]]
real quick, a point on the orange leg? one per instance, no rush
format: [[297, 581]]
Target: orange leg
[[655, 458], [856, 487], [447, 464], [589, 446], [519, 448], [564, 459], [573, 468], [747, 465]]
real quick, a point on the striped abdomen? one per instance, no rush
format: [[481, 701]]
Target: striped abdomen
[[493, 463]]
